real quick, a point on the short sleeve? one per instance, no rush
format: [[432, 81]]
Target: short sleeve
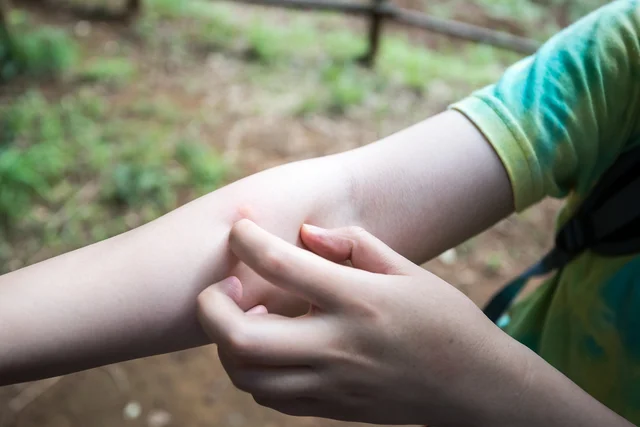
[[559, 118]]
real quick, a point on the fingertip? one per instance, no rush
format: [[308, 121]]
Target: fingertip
[[258, 309], [232, 287], [242, 225], [310, 234], [242, 233], [326, 243], [217, 307], [313, 230]]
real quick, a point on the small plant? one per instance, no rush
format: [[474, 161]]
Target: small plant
[[493, 263], [205, 170], [43, 52], [71, 169], [266, 43], [216, 32], [343, 45], [135, 184], [168, 8], [113, 71], [311, 104], [27, 170], [347, 87], [159, 108]]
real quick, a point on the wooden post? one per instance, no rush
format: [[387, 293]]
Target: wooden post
[[375, 30], [133, 9], [416, 19]]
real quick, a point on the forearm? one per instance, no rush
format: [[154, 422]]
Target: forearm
[[421, 190], [135, 295], [431, 186], [524, 390]]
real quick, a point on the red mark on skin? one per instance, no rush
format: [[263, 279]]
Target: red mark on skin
[[243, 211]]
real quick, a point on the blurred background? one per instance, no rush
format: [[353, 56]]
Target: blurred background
[[113, 113]]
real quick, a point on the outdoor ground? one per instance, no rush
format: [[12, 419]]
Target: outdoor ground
[[121, 122]]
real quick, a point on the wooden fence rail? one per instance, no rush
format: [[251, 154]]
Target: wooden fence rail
[[377, 12]]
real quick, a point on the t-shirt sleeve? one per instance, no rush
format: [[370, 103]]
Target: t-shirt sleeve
[[559, 118]]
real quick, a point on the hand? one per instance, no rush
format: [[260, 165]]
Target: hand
[[385, 341]]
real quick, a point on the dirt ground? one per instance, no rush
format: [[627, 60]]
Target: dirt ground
[[189, 389]]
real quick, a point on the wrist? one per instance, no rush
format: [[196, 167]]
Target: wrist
[[536, 394]]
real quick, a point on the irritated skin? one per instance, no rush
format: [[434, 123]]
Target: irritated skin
[[420, 191]]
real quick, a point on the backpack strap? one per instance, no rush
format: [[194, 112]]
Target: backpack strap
[[607, 223]]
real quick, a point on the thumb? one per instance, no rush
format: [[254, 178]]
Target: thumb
[[218, 310], [355, 244]]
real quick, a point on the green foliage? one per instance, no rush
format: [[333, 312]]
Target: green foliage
[[523, 10], [311, 104], [215, 25], [41, 52], [28, 170], [205, 170], [469, 67], [579, 8], [216, 30], [493, 263], [71, 167], [266, 43], [159, 108], [168, 8], [347, 86], [343, 45], [134, 184], [298, 40], [113, 71]]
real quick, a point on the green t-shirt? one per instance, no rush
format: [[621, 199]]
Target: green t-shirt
[[558, 120]]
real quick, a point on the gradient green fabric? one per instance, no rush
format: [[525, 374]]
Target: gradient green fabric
[[558, 120]]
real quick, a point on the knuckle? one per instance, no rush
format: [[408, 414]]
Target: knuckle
[[272, 260], [357, 231], [239, 342]]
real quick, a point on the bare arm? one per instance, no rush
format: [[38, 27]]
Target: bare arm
[[390, 343], [135, 295], [431, 186]]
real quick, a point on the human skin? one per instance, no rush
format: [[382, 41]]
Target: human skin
[[386, 342], [421, 191]]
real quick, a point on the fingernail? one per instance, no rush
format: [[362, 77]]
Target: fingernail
[[312, 229]]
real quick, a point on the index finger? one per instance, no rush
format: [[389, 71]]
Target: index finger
[[319, 281], [266, 339]]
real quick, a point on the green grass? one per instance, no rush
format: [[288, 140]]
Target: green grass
[[159, 108], [534, 18], [73, 169], [328, 58], [493, 263], [112, 71], [43, 52]]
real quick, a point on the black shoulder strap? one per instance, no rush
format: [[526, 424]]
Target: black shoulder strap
[[607, 223]]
